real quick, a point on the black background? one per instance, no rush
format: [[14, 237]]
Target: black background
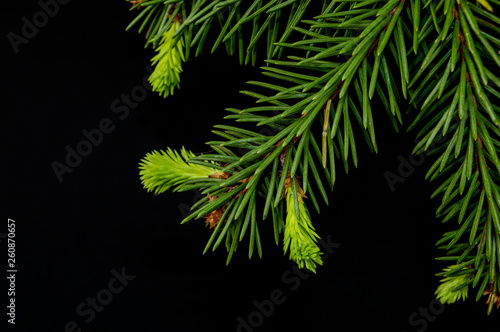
[[71, 235]]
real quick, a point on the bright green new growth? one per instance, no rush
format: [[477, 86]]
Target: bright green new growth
[[168, 62], [300, 236], [162, 170], [440, 58], [453, 288]]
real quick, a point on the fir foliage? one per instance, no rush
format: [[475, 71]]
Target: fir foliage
[[324, 66]]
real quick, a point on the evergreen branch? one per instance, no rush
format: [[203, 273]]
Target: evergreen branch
[[293, 149], [447, 58], [182, 25], [466, 120]]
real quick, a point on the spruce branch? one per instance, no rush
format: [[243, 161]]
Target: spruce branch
[[463, 124], [294, 151], [174, 27], [321, 76]]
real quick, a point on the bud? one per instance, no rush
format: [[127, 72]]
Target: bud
[[168, 62], [300, 236], [453, 288], [160, 170]]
